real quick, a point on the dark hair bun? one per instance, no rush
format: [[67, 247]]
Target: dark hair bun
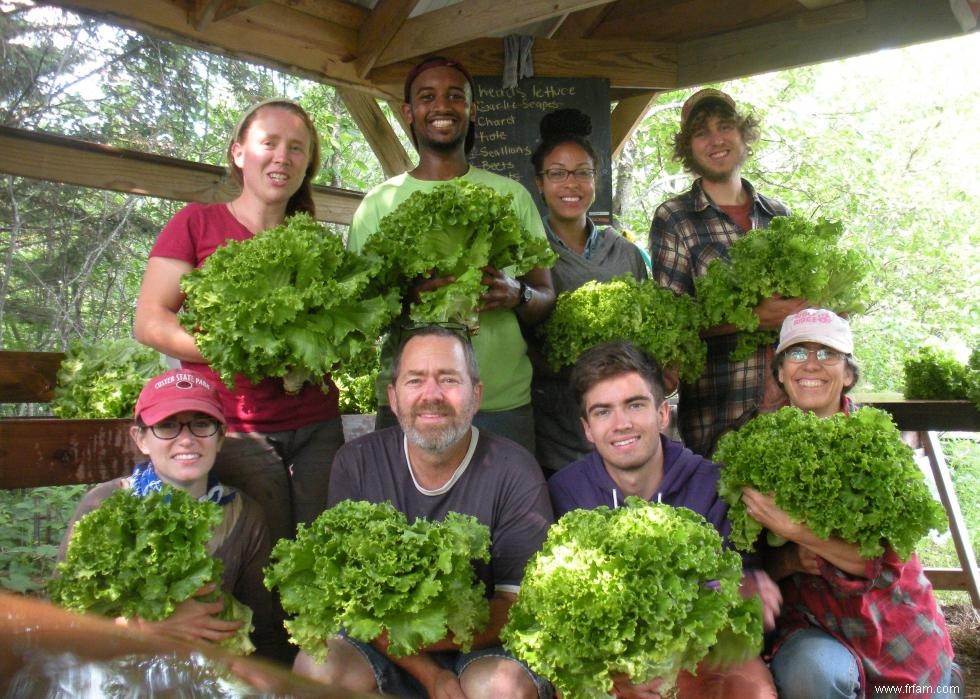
[[565, 122]]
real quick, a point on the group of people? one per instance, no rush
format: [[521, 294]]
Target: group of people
[[478, 425]]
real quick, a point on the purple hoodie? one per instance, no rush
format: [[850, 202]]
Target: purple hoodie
[[689, 481]]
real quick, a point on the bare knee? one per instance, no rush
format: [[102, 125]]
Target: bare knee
[[497, 677], [344, 667]]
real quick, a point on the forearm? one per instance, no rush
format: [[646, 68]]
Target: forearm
[[836, 552], [163, 332], [542, 297]]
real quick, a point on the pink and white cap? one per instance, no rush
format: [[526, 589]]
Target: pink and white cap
[[816, 325]]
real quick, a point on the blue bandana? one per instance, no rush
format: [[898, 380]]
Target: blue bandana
[[145, 480]]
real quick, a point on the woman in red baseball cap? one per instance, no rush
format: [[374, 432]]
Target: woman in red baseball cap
[[179, 426]]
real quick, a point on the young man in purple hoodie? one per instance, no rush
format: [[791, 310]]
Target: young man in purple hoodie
[[621, 396]]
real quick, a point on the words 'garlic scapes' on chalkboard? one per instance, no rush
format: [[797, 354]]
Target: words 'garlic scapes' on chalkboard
[[507, 133]]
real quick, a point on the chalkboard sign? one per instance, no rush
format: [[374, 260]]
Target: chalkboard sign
[[507, 133]]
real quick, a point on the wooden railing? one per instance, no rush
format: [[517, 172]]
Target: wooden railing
[[53, 451]]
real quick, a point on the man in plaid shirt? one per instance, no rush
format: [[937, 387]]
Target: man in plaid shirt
[[698, 226]]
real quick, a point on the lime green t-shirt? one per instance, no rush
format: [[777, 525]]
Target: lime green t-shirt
[[500, 348]]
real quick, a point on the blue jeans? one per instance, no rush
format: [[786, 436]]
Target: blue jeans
[[394, 681], [812, 664]]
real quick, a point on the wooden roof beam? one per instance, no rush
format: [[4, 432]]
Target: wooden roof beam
[[307, 44], [833, 33], [626, 117], [472, 19], [59, 159], [203, 12], [377, 131], [379, 29], [819, 4], [643, 65]]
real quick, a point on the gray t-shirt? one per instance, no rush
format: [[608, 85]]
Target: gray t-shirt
[[498, 482]]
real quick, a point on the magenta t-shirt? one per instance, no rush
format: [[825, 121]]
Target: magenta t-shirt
[[192, 235]]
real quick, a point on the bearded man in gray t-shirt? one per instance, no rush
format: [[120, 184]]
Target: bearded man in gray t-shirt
[[433, 463]]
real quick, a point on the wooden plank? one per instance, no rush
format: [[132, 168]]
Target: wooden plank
[[581, 24], [626, 117], [202, 13], [59, 159], [643, 65], [52, 451], [273, 34], [948, 578], [924, 415], [957, 527], [454, 24], [379, 29], [28, 377], [833, 33], [364, 110], [818, 4]]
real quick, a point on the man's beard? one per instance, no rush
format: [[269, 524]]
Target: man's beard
[[440, 146], [437, 439], [716, 176]]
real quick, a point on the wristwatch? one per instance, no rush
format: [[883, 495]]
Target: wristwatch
[[524, 295]]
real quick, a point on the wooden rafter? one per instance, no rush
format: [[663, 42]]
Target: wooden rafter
[[377, 131], [203, 12], [472, 19], [579, 25], [626, 117], [379, 29], [60, 159], [843, 30], [818, 4], [634, 64]]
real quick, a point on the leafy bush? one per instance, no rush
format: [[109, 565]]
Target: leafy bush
[[32, 522], [104, 379], [658, 321], [846, 476], [363, 567], [643, 590], [936, 374]]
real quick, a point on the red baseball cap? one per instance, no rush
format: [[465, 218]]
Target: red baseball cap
[[176, 391]]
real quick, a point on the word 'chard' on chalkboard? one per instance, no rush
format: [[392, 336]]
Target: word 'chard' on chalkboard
[[507, 121]]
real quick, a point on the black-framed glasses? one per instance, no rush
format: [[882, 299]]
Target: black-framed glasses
[[199, 427], [798, 355], [560, 174]]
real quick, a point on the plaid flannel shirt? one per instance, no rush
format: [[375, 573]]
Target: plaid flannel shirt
[[687, 233], [889, 621]]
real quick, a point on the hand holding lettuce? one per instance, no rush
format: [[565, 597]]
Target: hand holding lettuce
[[363, 567], [141, 556], [290, 302], [643, 590], [454, 230], [794, 258], [845, 476]]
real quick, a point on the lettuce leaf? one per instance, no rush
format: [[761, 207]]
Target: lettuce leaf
[[141, 556], [290, 302], [455, 230], [644, 590], [846, 476], [658, 321], [794, 257], [363, 567], [103, 379]]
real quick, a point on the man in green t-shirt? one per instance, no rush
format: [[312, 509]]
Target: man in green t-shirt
[[440, 111]]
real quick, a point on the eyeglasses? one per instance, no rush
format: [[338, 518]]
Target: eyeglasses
[[798, 355], [199, 427], [560, 174]]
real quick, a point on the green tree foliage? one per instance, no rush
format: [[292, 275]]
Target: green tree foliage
[[880, 144]]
